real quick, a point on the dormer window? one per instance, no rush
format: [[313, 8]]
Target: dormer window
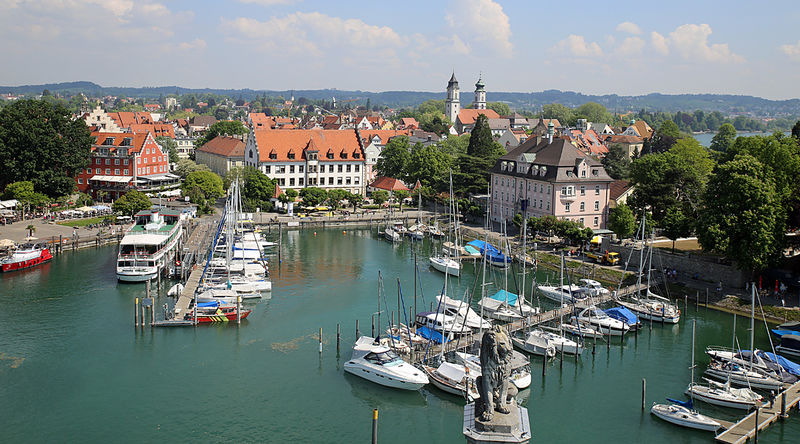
[[595, 172], [343, 155], [583, 172], [291, 155], [542, 170], [569, 173], [356, 155], [108, 141], [273, 154], [329, 155]]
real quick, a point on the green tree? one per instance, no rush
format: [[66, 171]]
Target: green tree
[[168, 146], [203, 188], [257, 190], [676, 224], [400, 196], [355, 200], [558, 111], [796, 130], [42, 143], [724, 138], [313, 196], [131, 203], [499, 107], [188, 166], [454, 146], [664, 138], [743, 218], [291, 193], [21, 191], [380, 196], [433, 122], [594, 112], [222, 128], [335, 198], [428, 165], [621, 221], [481, 143], [616, 162], [431, 107], [394, 158]]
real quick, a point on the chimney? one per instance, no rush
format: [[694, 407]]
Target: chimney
[[550, 132], [154, 216]]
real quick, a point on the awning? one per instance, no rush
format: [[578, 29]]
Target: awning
[[8, 203], [115, 179], [159, 177]]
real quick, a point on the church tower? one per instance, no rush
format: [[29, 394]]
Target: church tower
[[480, 94], [453, 102]]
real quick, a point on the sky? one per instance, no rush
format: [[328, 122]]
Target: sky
[[626, 48]]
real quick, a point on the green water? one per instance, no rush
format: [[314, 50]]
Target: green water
[[72, 367]]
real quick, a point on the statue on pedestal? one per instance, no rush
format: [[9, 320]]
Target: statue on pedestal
[[495, 371]]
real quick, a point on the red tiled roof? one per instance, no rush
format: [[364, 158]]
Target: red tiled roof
[[388, 184], [618, 188], [623, 138], [224, 146], [384, 135], [409, 122], [135, 141], [158, 129], [125, 119], [261, 120], [468, 116], [342, 144]]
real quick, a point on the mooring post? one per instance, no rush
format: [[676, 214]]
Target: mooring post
[[320, 340], [544, 364], [783, 405], [561, 363], [152, 314], [238, 309], [373, 326], [755, 434], [375, 426], [608, 343], [697, 301], [644, 392], [338, 338], [686, 302], [357, 332], [707, 298], [594, 343], [392, 324], [135, 312]]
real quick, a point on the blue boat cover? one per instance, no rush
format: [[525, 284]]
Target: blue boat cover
[[492, 253], [208, 304], [430, 334], [688, 404], [622, 314], [501, 296], [787, 365], [780, 333]]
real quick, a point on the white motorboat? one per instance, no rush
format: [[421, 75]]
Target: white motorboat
[[506, 306], [535, 342], [593, 287], [455, 379], [583, 331], [463, 313], [564, 294], [377, 363], [175, 290], [223, 296], [415, 232], [448, 325], [391, 235], [446, 264], [724, 395], [745, 358], [601, 321], [683, 416]]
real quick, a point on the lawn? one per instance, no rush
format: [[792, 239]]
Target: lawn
[[83, 222]]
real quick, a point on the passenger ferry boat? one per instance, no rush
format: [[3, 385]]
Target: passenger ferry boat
[[27, 255], [149, 245]]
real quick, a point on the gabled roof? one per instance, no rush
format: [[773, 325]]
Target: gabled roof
[[224, 146], [388, 184], [384, 135], [409, 122], [158, 129], [559, 158], [468, 116], [618, 188], [124, 119], [203, 120], [132, 141], [623, 138], [334, 141]]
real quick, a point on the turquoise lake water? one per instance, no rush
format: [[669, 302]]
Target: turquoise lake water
[[74, 369]]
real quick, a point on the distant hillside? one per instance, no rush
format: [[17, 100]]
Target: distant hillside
[[517, 100]]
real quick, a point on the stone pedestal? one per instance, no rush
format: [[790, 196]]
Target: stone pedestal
[[512, 427]]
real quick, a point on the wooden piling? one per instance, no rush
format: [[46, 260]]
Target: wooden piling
[[373, 326], [706, 298], [544, 364], [338, 338], [320, 340], [783, 405], [152, 314], [755, 433], [375, 426], [697, 301], [238, 309], [644, 392], [135, 312], [561, 363], [357, 332]]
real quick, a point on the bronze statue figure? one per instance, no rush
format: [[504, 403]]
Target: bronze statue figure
[[495, 358]]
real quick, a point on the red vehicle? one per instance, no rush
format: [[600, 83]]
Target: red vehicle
[[26, 256], [219, 314]]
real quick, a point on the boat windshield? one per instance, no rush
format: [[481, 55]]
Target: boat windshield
[[383, 358]]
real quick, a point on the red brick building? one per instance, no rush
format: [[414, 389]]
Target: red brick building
[[124, 161]]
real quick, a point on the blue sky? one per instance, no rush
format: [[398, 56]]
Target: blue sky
[[628, 48]]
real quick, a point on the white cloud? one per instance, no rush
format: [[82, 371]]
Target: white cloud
[[313, 31], [196, 44], [630, 46], [630, 28], [577, 46], [690, 41], [793, 51], [482, 22], [660, 43]]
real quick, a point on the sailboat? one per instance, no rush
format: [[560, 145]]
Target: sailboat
[[682, 413], [448, 263], [650, 306]]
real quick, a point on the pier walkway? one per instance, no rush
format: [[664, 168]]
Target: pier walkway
[[746, 427], [548, 316], [195, 249]]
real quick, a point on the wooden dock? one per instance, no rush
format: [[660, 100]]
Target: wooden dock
[[542, 318], [746, 427], [195, 247]]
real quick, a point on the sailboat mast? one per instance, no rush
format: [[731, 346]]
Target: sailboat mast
[[691, 381], [561, 288], [524, 257], [641, 256], [752, 322]]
